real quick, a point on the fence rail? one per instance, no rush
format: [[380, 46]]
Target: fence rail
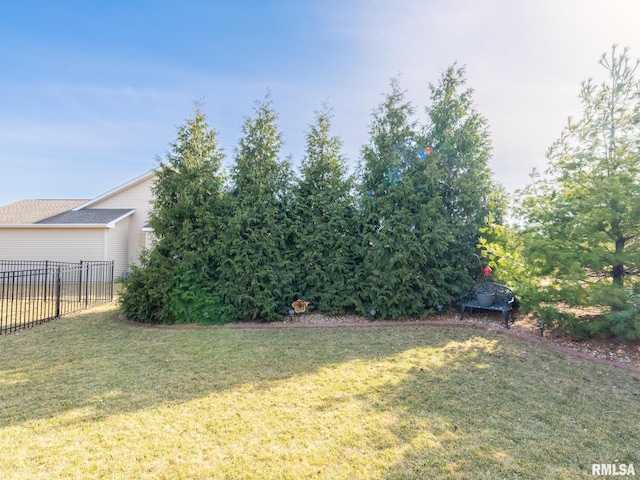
[[34, 292]]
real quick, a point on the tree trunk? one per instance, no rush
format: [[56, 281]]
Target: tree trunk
[[618, 276], [618, 270]]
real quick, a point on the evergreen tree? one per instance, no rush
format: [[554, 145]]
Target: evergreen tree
[[255, 277], [583, 218], [460, 144], [325, 224], [403, 232], [173, 284]]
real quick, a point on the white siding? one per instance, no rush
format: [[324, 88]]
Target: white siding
[[58, 244], [137, 196], [122, 244], [149, 240], [117, 246]]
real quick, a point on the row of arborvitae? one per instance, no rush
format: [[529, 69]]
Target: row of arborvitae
[[400, 239]]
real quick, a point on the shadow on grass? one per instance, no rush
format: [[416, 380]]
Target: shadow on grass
[[92, 360]]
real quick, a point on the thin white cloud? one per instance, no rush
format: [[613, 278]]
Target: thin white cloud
[[525, 60], [73, 118]]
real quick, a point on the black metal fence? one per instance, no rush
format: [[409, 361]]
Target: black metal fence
[[34, 292]]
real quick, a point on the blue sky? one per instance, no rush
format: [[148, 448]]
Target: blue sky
[[91, 93]]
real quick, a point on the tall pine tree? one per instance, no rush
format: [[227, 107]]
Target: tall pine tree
[[326, 261], [583, 218], [460, 144], [255, 277], [173, 284], [403, 233]]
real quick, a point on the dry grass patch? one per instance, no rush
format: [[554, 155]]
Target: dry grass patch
[[89, 397]]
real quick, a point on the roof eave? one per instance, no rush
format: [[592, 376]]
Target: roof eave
[[28, 226], [116, 190], [111, 224]]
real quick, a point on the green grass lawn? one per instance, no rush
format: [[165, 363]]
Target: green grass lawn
[[89, 397]]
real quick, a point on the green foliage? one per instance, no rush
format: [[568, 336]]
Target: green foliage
[[325, 223], [583, 217], [623, 323], [193, 299], [461, 148], [172, 285], [402, 247], [404, 234], [145, 290], [255, 274], [501, 247]]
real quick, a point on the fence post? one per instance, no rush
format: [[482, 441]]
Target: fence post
[[46, 278], [112, 280], [58, 288], [2, 304], [86, 290], [80, 282]]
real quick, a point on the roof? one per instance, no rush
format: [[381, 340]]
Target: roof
[[67, 213], [117, 190], [89, 216], [32, 211]]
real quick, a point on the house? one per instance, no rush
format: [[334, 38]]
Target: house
[[112, 226]]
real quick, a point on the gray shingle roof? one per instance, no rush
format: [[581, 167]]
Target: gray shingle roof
[[88, 216], [31, 211]]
